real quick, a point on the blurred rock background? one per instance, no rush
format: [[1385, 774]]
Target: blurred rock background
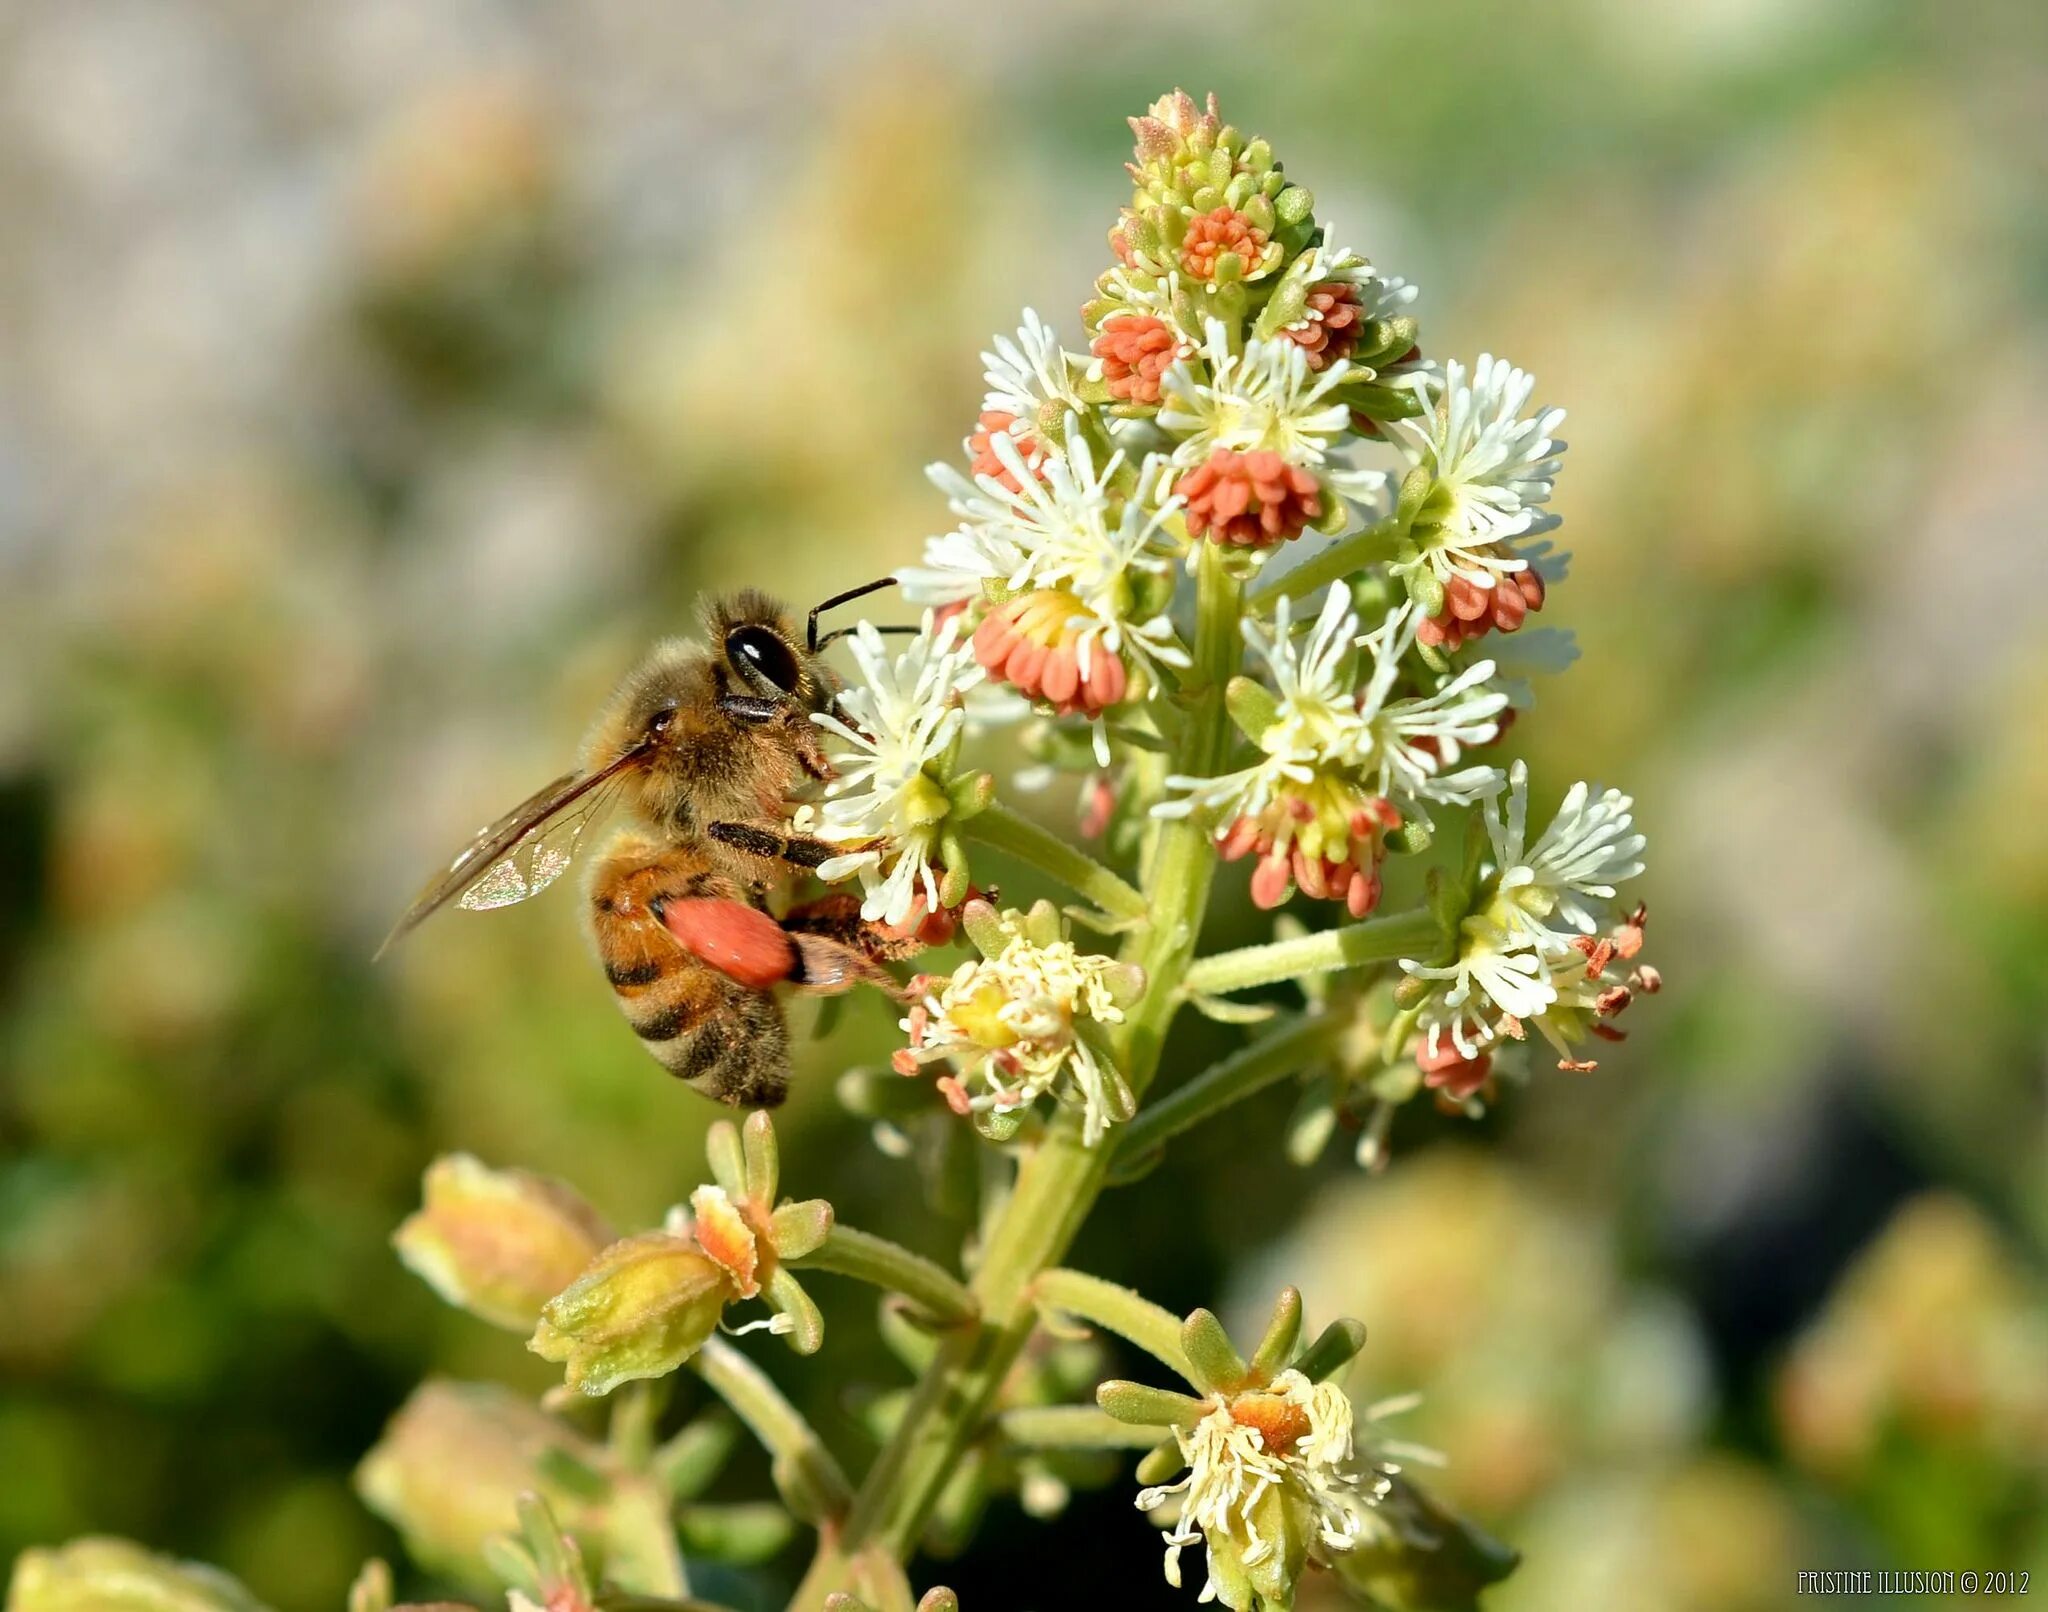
[[376, 379]]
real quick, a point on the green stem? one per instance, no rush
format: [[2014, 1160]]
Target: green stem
[[867, 1258], [1248, 1070], [773, 1420], [1340, 559], [635, 1409], [1116, 1309], [1377, 940], [1058, 1183], [1001, 829], [1074, 1427]]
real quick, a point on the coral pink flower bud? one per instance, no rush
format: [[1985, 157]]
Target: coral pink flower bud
[[1332, 325], [1253, 500], [1211, 234], [1135, 349], [981, 448], [1037, 643]]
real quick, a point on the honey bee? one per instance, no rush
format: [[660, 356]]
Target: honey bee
[[704, 747]]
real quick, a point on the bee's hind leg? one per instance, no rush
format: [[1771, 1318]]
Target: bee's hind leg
[[838, 949]]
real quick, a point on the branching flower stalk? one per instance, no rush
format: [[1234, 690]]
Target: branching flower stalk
[[1244, 572]]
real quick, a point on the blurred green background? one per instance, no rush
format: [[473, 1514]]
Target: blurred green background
[[376, 379]]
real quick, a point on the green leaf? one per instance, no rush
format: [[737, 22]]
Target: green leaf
[[728, 1161], [797, 1229], [1160, 1463], [1145, 1406], [786, 1295], [1335, 1347], [1117, 1309], [762, 1162], [690, 1459], [1218, 1367], [1251, 706], [1282, 1333], [745, 1534]]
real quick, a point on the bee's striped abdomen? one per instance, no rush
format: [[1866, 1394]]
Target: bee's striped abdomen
[[727, 1039]]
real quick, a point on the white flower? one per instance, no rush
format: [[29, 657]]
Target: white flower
[[1066, 529], [957, 564], [1139, 291], [1316, 713], [1493, 974], [1571, 871], [1295, 1437], [1399, 750], [1018, 1024], [1406, 745], [1075, 533], [1264, 398], [1028, 371], [1513, 964], [896, 728], [1493, 467], [1379, 296]]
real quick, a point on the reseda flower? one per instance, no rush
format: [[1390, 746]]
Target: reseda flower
[[1024, 462], [451, 1464], [1570, 872], [1250, 500], [899, 729], [1255, 429], [1040, 644], [1030, 391], [1341, 767], [1490, 471], [1210, 205], [1023, 1020], [1528, 952], [1274, 1480], [1031, 377], [1078, 569], [1329, 304]]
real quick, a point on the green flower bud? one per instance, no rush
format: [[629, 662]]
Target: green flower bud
[[644, 1306], [111, 1575], [452, 1464], [498, 1243], [1426, 1556]]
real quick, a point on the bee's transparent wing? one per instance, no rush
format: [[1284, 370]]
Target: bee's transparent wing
[[535, 862], [523, 852]]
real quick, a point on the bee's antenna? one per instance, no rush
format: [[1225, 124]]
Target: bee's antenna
[[837, 599], [838, 633]]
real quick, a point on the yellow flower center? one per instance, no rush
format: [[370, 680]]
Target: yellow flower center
[[979, 1017]]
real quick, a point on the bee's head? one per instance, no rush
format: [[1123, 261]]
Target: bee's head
[[720, 729], [766, 669]]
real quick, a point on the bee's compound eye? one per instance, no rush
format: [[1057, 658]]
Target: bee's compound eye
[[660, 722], [765, 655]]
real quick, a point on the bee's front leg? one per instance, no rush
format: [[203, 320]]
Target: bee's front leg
[[775, 844]]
